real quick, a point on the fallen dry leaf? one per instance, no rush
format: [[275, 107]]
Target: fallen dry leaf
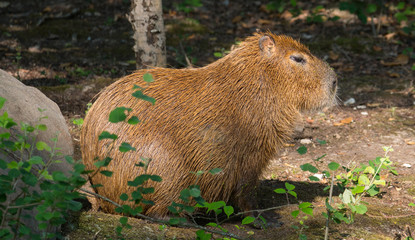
[[309, 120], [410, 142], [393, 75], [343, 121], [373, 105], [289, 145], [237, 19], [333, 56], [401, 59], [347, 120], [264, 22], [389, 36], [377, 48]]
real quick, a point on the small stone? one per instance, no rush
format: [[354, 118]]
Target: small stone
[[361, 107], [350, 101], [364, 113], [406, 165], [336, 135], [305, 141]]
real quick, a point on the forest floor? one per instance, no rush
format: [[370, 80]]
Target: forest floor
[[71, 49]]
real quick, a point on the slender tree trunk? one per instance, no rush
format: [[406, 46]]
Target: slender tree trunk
[[146, 18]]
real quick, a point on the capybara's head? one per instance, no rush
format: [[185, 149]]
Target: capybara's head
[[299, 78], [233, 114]]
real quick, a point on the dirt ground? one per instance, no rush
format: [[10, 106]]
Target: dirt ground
[[71, 49]]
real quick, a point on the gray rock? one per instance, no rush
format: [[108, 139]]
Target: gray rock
[[22, 106]]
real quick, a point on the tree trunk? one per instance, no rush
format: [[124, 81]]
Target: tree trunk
[[146, 18]]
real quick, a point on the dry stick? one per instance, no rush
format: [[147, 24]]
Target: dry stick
[[189, 64], [326, 235], [163, 221]]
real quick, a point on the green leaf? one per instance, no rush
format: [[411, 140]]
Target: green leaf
[[202, 235], [103, 163], [58, 176], [363, 180], [185, 193], [216, 205], [106, 173], [124, 197], [140, 95], [304, 205], [280, 190], [107, 135], [309, 167], [369, 170], [42, 127], [194, 192], [40, 145], [333, 166], [289, 186], [155, 178], [308, 211], [295, 213], [228, 210], [133, 120], [292, 193], [212, 224], [321, 142], [24, 230], [118, 114], [218, 54], [373, 190], [29, 179], [5, 135], [400, 6], [379, 182], [123, 220], [302, 150], [13, 165], [411, 204], [361, 209], [358, 189], [347, 197], [125, 147], [371, 8], [3, 164], [148, 78], [313, 178], [36, 160], [248, 220], [2, 101], [215, 171]]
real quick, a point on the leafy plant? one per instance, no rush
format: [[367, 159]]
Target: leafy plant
[[354, 183], [28, 185], [188, 6]]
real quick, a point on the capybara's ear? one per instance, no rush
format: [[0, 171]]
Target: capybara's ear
[[267, 44]]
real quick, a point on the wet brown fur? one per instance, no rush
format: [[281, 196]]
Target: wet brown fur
[[233, 114]]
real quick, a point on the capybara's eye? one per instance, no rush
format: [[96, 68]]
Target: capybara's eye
[[298, 59]]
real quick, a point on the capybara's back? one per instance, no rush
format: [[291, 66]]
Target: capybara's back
[[233, 114]]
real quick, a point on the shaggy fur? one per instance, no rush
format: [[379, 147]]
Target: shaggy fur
[[232, 114]]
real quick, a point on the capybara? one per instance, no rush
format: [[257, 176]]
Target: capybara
[[233, 114]]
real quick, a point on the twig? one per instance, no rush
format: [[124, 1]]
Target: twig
[[326, 235], [342, 51], [189, 64]]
